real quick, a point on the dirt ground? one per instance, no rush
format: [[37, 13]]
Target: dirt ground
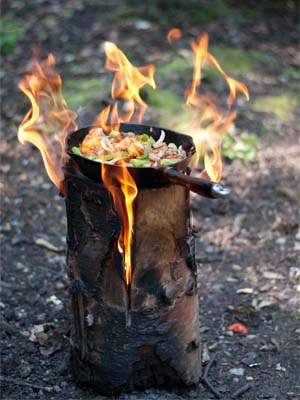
[[247, 245]]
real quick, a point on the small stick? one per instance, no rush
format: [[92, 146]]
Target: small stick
[[241, 390], [206, 381], [21, 383]]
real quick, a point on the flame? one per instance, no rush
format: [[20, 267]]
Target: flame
[[174, 34], [47, 122], [211, 124], [123, 189], [126, 85]]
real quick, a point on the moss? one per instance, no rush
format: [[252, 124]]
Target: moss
[[169, 109], [177, 67], [240, 60], [283, 106], [232, 60], [83, 92], [291, 316]]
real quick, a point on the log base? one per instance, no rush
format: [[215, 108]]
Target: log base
[[161, 347]]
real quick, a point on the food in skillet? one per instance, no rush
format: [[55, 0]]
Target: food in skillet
[[137, 150]]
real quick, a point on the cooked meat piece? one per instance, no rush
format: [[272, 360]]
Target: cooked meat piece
[[158, 153]]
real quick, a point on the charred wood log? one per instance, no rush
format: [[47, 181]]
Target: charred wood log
[[162, 345]]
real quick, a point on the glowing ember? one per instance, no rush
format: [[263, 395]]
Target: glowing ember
[[48, 121]]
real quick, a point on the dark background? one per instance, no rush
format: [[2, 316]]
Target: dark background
[[250, 241]]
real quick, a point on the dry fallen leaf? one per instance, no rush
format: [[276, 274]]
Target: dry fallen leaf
[[237, 327]]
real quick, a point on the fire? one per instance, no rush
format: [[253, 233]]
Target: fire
[[48, 121], [174, 34], [210, 124], [123, 190], [127, 83]]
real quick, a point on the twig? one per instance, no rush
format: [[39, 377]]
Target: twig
[[241, 390], [21, 383], [206, 381]]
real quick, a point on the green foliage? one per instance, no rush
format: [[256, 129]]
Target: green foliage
[[164, 99], [293, 73], [242, 148], [83, 92], [178, 67], [240, 60], [10, 32], [283, 105]]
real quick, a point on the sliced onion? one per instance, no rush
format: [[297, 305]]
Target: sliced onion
[[105, 143], [162, 137]]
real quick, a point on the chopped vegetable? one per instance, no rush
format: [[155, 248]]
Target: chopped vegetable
[[137, 163], [109, 157], [172, 146], [144, 137], [76, 150], [167, 161]]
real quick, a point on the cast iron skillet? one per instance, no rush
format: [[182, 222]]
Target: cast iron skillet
[[147, 177]]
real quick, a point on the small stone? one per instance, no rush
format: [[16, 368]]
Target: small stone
[[56, 388], [237, 371], [59, 285], [280, 368], [209, 249], [281, 241], [42, 338], [204, 329], [56, 301], [213, 346], [249, 378], [90, 319], [236, 267]]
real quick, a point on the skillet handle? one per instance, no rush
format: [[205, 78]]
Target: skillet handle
[[202, 187]]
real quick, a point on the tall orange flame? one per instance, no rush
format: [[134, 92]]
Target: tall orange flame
[[127, 83], [210, 124], [123, 190], [213, 123], [47, 122]]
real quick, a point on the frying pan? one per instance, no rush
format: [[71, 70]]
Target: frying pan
[[147, 177]]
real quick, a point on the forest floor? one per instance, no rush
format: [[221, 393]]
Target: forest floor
[[248, 245]]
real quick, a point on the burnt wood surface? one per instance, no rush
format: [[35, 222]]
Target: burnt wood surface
[[162, 345]]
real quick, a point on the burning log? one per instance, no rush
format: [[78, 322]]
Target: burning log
[[161, 347]]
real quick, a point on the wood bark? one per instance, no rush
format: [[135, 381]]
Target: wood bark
[[161, 348]]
